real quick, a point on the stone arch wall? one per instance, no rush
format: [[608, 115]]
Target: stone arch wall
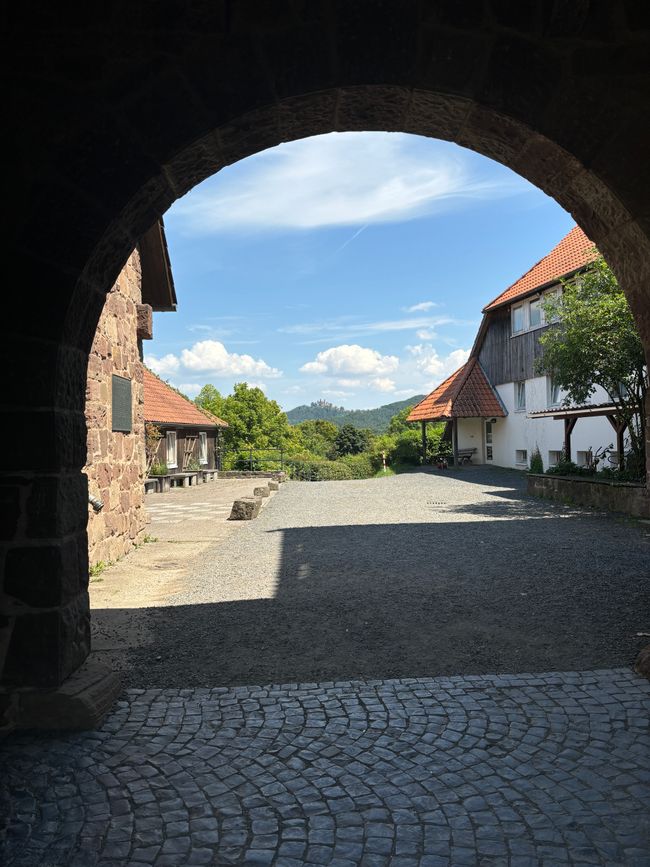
[[123, 110]]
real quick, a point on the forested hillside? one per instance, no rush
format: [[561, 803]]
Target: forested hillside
[[375, 420]]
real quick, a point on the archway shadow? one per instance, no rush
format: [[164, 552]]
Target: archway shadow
[[455, 596]]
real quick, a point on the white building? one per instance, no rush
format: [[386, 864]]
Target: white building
[[489, 401]]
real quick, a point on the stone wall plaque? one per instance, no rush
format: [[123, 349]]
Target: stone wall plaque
[[122, 413]]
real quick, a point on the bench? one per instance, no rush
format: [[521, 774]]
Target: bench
[[465, 456], [184, 479], [150, 486], [157, 484], [207, 475]]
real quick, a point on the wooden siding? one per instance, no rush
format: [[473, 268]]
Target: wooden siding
[[181, 434], [505, 358]]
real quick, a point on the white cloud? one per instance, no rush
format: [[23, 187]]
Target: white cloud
[[425, 334], [351, 358], [382, 383], [436, 366], [422, 307], [340, 179], [164, 366], [332, 392], [348, 383], [212, 356], [261, 385], [191, 389], [343, 327]]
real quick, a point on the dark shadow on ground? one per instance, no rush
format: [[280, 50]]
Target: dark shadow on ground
[[408, 600]]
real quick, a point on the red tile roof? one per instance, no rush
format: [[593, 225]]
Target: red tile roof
[[164, 405], [574, 251], [467, 393]]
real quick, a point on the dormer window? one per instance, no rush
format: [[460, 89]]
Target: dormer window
[[529, 314], [518, 319], [535, 313]]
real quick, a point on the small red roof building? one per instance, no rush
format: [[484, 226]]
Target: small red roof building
[[465, 394], [164, 405]]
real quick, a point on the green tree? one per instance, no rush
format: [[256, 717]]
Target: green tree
[[254, 421], [594, 342], [317, 436], [398, 423], [351, 441], [210, 398]]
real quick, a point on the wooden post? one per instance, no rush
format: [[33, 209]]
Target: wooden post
[[619, 426], [454, 434], [424, 442], [569, 424]]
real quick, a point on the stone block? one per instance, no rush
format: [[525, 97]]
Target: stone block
[[261, 491], [46, 647], [48, 575], [273, 485], [245, 509], [642, 664], [145, 321], [81, 702]]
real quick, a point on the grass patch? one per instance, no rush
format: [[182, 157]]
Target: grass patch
[[97, 568]]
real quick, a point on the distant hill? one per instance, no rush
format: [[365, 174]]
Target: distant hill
[[375, 419]]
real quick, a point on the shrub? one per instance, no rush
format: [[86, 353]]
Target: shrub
[[568, 468], [408, 448], [536, 462], [158, 469], [319, 471], [361, 466]]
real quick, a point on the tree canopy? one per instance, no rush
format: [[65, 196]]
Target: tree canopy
[[351, 440], [254, 421], [594, 342]]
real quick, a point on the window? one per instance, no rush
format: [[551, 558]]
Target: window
[[521, 456], [554, 393], [518, 319], [530, 314], [535, 314], [488, 441], [520, 396], [583, 459], [172, 461], [203, 448], [554, 458]]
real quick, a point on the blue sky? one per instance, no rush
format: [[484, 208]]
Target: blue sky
[[351, 267]]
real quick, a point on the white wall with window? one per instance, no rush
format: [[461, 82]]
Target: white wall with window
[[203, 447], [171, 452], [517, 432], [520, 396]]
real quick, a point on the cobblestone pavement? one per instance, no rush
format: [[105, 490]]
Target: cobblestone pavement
[[549, 769], [175, 513]]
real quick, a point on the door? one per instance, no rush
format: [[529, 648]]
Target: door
[[489, 432]]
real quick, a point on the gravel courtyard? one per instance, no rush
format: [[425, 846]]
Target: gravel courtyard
[[421, 574], [335, 608]]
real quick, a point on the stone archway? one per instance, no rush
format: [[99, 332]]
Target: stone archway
[[559, 94]]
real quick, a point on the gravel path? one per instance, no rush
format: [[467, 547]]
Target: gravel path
[[422, 574]]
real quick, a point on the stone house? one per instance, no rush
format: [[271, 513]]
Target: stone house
[[190, 436], [115, 463], [498, 408]]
